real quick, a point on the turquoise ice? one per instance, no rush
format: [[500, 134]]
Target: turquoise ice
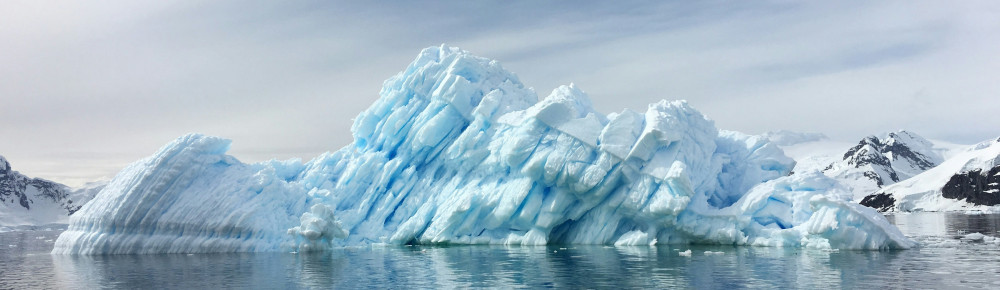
[[458, 151]]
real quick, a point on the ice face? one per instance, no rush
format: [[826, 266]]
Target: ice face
[[458, 151]]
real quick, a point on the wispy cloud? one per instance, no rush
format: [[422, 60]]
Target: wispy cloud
[[110, 82]]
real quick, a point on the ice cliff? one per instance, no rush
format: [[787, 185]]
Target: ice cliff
[[457, 151]]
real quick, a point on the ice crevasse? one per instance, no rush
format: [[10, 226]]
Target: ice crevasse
[[457, 151]]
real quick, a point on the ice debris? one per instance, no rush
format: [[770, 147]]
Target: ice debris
[[318, 228], [973, 237], [458, 151]]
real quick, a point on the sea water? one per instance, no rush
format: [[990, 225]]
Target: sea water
[[947, 258]]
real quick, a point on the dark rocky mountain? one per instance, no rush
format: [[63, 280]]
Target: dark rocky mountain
[[979, 187], [883, 202]]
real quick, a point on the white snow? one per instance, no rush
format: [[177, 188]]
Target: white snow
[[923, 192], [685, 253], [948, 150], [458, 151], [917, 144]]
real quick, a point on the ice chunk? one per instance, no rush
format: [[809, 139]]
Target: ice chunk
[[457, 151], [974, 237], [635, 238], [318, 228]]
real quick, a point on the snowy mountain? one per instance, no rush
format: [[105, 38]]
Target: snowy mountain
[[35, 201], [868, 165], [968, 181], [457, 151], [876, 162], [902, 171]]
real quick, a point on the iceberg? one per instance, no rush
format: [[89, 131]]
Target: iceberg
[[458, 151]]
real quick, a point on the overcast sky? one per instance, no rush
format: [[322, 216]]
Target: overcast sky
[[86, 88]]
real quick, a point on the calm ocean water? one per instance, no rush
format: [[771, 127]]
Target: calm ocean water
[[944, 261]]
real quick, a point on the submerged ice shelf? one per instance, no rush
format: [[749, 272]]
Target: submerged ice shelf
[[458, 151]]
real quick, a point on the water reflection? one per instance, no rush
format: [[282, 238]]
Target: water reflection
[[945, 224], [483, 266], [592, 267], [644, 267], [212, 271], [956, 263]]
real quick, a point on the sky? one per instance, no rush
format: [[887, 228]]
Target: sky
[[87, 88]]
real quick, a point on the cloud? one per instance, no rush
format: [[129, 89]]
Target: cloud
[[106, 83]]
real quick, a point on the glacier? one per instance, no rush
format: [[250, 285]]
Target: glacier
[[458, 151]]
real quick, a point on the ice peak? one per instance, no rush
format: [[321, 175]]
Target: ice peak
[[196, 143], [570, 98], [575, 95], [440, 78], [669, 120], [450, 73]]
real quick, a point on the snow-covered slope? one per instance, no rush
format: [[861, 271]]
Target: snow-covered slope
[[35, 201], [785, 138], [811, 151], [457, 150], [970, 180], [876, 162]]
